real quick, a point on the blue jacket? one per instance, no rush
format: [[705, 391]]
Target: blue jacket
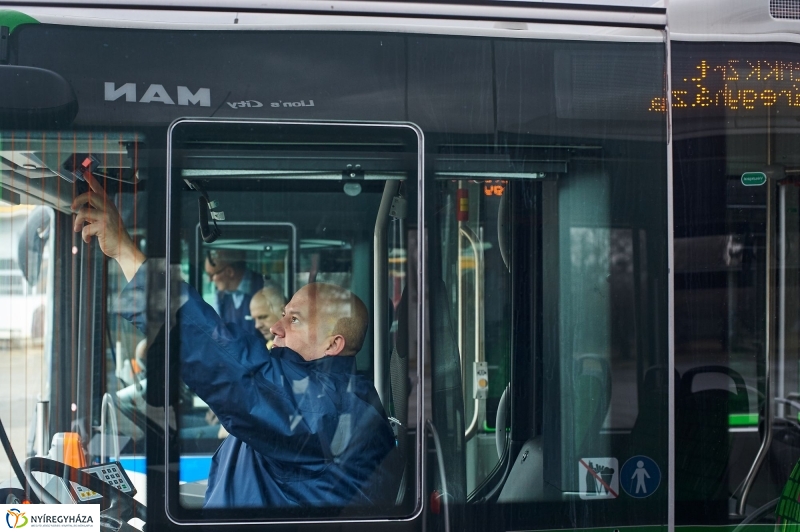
[[230, 313], [301, 433]]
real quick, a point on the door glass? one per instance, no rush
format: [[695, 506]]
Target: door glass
[[292, 356]]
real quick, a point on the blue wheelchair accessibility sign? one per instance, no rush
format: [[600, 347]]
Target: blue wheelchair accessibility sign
[[640, 477]]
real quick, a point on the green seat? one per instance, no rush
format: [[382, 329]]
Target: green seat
[[787, 512]]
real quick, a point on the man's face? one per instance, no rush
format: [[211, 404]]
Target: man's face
[[304, 327], [219, 275], [263, 316]]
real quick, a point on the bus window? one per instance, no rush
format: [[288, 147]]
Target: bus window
[[548, 291], [736, 280], [78, 369], [284, 212]]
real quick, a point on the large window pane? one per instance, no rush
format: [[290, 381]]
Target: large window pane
[[548, 288], [736, 277], [306, 208], [78, 372]]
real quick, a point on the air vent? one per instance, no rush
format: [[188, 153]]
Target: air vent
[[785, 9]]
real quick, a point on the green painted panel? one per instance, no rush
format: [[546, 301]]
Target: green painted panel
[[743, 420], [12, 19], [648, 528], [684, 528], [727, 528]]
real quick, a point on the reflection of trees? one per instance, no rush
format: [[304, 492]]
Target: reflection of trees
[[589, 252], [605, 251], [602, 264]]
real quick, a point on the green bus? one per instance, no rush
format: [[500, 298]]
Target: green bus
[[569, 224]]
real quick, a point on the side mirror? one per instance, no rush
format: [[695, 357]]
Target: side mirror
[[32, 242], [35, 98]]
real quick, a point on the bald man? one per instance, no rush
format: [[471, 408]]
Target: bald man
[[306, 431], [322, 320], [265, 309]]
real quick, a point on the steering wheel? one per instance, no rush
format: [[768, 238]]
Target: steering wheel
[[115, 504], [12, 496]]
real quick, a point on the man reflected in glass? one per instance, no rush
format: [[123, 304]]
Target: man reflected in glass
[[235, 285], [265, 309], [306, 430]]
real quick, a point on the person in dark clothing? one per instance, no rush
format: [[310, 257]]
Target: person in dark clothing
[[235, 286], [305, 429]]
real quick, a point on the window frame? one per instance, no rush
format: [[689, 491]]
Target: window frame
[[169, 450]]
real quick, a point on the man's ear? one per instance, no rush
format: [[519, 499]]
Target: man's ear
[[336, 344]]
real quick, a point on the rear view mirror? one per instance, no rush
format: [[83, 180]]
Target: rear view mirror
[[35, 98]]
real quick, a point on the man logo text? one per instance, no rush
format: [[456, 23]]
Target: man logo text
[[158, 94]]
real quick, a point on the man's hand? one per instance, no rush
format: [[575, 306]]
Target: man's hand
[[97, 216]]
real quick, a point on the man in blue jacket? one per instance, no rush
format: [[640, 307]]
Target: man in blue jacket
[[235, 285], [305, 429]]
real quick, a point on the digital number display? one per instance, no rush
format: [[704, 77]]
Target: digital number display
[[740, 85], [494, 188]]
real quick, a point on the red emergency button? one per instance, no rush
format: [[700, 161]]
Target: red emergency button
[[436, 502]]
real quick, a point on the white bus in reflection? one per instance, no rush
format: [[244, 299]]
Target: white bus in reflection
[[24, 260]]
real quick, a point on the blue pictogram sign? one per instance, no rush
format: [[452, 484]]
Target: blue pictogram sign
[[640, 477]]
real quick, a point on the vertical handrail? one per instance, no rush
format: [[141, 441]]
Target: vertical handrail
[[460, 309], [670, 290], [105, 411], [769, 400], [42, 438], [780, 366], [460, 295], [479, 411], [380, 298]]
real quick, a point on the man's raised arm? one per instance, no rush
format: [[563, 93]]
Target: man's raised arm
[[97, 216], [214, 352]]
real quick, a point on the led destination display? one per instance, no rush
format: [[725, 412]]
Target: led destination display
[[722, 87], [736, 85]]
